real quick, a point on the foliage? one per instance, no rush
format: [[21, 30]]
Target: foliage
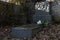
[[8, 13], [45, 23]]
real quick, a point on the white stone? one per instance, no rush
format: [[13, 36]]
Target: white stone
[[39, 22]]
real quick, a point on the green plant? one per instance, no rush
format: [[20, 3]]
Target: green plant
[[45, 23]]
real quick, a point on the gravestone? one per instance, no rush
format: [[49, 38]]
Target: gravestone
[[55, 9], [42, 12]]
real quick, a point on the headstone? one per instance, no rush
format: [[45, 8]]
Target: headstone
[[56, 11], [42, 12]]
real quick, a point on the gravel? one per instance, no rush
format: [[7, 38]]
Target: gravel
[[52, 33]]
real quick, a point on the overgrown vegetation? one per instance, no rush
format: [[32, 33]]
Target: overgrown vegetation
[[8, 16], [45, 24]]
